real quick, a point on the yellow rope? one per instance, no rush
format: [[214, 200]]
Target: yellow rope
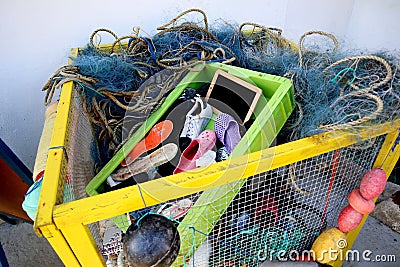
[[373, 115], [302, 50], [388, 77]]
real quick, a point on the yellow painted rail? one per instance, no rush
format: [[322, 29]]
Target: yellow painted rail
[[69, 221], [107, 205]]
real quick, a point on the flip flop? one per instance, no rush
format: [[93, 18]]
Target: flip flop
[[146, 164], [157, 134], [177, 209], [227, 131]]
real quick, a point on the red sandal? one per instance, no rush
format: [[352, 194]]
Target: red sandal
[[157, 134]]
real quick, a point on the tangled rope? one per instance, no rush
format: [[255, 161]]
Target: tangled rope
[[63, 75], [373, 115], [267, 34], [356, 60], [302, 50], [333, 88], [365, 92], [174, 20]]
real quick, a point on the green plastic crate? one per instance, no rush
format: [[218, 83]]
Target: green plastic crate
[[270, 114]]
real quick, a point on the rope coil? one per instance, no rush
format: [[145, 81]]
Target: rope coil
[[302, 50], [380, 60], [113, 73]]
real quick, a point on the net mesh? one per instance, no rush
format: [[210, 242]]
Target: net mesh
[[82, 154], [284, 209], [80, 165]]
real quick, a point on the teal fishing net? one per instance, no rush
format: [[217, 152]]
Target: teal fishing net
[[335, 87]]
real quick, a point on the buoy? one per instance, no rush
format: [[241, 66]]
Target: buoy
[[44, 143], [154, 241], [331, 239], [373, 183], [359, 203], [349, 219]]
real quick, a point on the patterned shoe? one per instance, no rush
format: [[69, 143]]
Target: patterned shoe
[[113, 245], [227, 131], [194, 124], [222, 154], [177, 209]]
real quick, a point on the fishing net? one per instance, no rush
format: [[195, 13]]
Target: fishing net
[[335, 88]]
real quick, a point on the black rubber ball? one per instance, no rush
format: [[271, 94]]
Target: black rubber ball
[[154, 242]]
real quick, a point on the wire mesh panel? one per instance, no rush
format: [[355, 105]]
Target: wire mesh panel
[[81, 157], [111, 234], [81, 152], [287, 208], [284, 209]]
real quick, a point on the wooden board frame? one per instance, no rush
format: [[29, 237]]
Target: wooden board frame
[[257, 91]]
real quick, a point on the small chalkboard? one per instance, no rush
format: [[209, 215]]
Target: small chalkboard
[[239, 95]]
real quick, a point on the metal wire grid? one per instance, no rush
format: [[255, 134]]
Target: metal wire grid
[[283, 209], [81, 153], [112, 247]]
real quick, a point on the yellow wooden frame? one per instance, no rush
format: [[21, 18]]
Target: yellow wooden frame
[[65, 224], [66, 228]]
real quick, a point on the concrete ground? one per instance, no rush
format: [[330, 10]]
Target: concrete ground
[[24, 249], [380, 240]]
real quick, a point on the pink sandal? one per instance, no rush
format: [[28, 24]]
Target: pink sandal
[[197, 148]]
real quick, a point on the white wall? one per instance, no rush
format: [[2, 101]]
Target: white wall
[[37, 36], [375, 24], [306, 15]]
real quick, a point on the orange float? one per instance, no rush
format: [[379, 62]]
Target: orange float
[[359, 203]]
